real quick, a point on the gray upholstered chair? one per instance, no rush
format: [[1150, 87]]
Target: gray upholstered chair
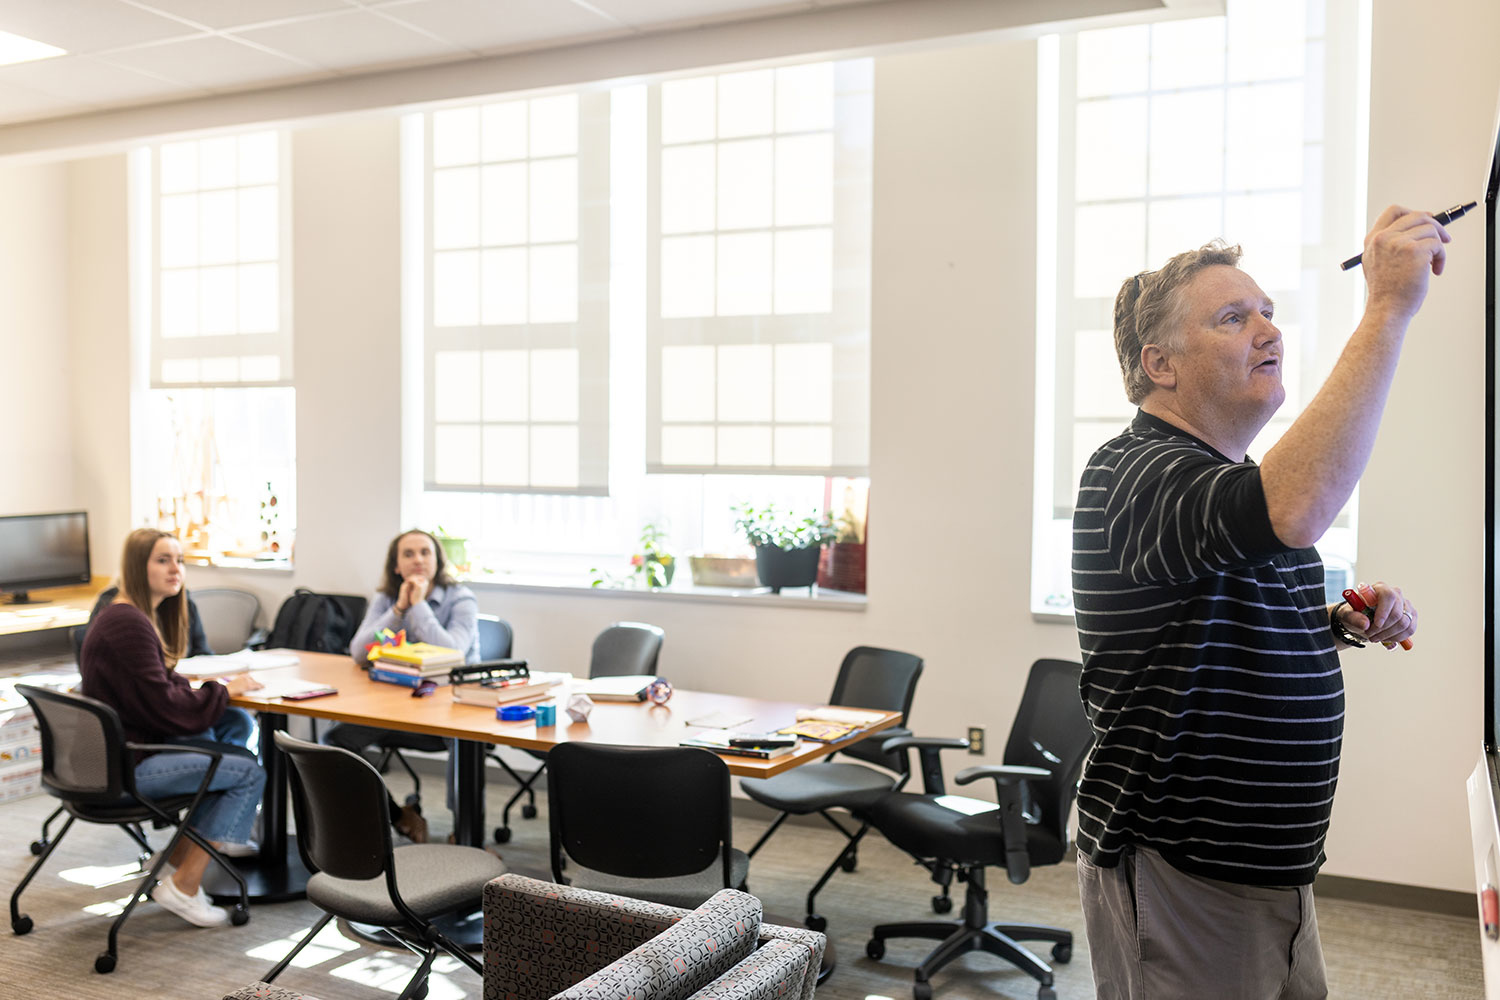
[[228, 617], [344, 834], [718, 951]]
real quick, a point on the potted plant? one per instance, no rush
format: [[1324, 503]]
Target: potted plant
[[455, 550], [786, 546]]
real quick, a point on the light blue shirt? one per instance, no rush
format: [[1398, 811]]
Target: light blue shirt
[[449, 617]]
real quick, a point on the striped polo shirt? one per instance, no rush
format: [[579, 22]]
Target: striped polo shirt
[[1209, 671]]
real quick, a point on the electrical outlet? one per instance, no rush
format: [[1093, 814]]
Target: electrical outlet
[[976, 739]]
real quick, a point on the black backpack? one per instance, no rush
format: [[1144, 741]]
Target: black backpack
[[318, 623]]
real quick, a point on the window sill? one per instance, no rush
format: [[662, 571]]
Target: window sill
[[1053, 617], [818, 598], [234, 562]]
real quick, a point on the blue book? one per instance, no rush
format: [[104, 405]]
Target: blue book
[[397, 677]]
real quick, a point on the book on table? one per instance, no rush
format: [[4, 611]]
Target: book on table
[[388, 674], [719, 742], [423, 655], [623, 687], [829, 723], [502, 691]]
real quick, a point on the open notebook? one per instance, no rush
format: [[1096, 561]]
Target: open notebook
[[203, 667]]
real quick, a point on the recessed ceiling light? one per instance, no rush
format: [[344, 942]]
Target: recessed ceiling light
[[15, 49]]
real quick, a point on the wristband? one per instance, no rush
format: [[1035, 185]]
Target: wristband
[[1340, 632]]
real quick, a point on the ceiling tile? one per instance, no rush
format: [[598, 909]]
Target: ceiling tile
[[212, 62], [234, 13], [355, 40], [88, 80], [649, 13], [481, 25], [83, 26]]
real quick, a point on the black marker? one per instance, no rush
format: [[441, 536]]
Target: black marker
[[1443, 218]]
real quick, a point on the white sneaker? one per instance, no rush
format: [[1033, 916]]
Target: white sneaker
[[196, 909], [249, 849]]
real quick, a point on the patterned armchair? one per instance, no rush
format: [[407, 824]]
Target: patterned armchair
[[551, 942]]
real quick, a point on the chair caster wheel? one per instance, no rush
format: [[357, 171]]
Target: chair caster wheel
[[37, 847], [815, 922], [239, 916], [22, 924], [104, 964], [1046, 993], [502, 834], [875, 948], [1062, 953], [421, 993], [849, 862], [528, 811], [921, 990], [942, 904]]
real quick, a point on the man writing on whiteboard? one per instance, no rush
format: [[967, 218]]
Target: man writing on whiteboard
[[1210, 658]]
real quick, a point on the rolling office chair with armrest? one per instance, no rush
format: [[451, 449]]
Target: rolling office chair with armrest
[[868, 678], [623, 649], [648, 822], [1034, 788], [339, 802], [89, 765]]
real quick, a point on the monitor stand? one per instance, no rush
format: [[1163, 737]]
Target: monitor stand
[[22, 597]]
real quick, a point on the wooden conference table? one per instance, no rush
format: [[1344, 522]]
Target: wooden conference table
[[278, 873]]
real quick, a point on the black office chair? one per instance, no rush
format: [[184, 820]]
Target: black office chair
[[494, 644], [622, 649], [647, 822], [89, 765], [1034, 788], [344, 835], [868, 678]]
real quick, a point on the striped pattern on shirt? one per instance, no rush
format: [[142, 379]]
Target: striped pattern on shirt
[[1209, 670]]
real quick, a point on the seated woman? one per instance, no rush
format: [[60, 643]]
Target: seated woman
[[417, 594], [236, 725], [126, 662]]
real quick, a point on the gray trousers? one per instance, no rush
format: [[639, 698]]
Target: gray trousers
[[1156, 932]]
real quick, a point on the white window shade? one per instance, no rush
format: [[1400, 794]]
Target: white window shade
[[222, 315], [516, 343], [758, 272]]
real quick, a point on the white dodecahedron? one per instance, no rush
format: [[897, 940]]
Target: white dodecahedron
[[579, 707]]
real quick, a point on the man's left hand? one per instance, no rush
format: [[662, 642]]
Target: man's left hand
[[1390, 618]]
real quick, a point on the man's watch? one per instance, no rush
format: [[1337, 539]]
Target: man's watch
[[1340, 632]]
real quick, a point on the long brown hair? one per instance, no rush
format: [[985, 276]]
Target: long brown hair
[[390, 583], [171, 617]]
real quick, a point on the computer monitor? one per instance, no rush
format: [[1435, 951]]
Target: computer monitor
[[43, 550]]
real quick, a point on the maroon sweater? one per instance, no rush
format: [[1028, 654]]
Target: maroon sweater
[[122, 666]]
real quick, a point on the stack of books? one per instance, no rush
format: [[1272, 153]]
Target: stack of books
[[500, 689], [413, 662]]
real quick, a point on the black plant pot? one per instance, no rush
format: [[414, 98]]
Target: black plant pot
[[779, 567]]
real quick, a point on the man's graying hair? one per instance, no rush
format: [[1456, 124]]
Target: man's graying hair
[[1150, 306]]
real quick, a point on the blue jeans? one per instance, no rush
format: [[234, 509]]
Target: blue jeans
[[235, 727], [227, 812]]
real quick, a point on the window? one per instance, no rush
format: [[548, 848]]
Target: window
[[758, 298], [1155, 139], [804, 340], [212, 222], [517, 336]]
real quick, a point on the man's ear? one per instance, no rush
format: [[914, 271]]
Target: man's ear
[[1158, 366]]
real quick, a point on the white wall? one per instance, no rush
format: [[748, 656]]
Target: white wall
[[37, 408], [952, 365]]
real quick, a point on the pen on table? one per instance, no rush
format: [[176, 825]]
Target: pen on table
[[1362, 604], [1443, 218]]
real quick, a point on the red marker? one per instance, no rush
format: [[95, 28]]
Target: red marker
[[1362, 604]]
